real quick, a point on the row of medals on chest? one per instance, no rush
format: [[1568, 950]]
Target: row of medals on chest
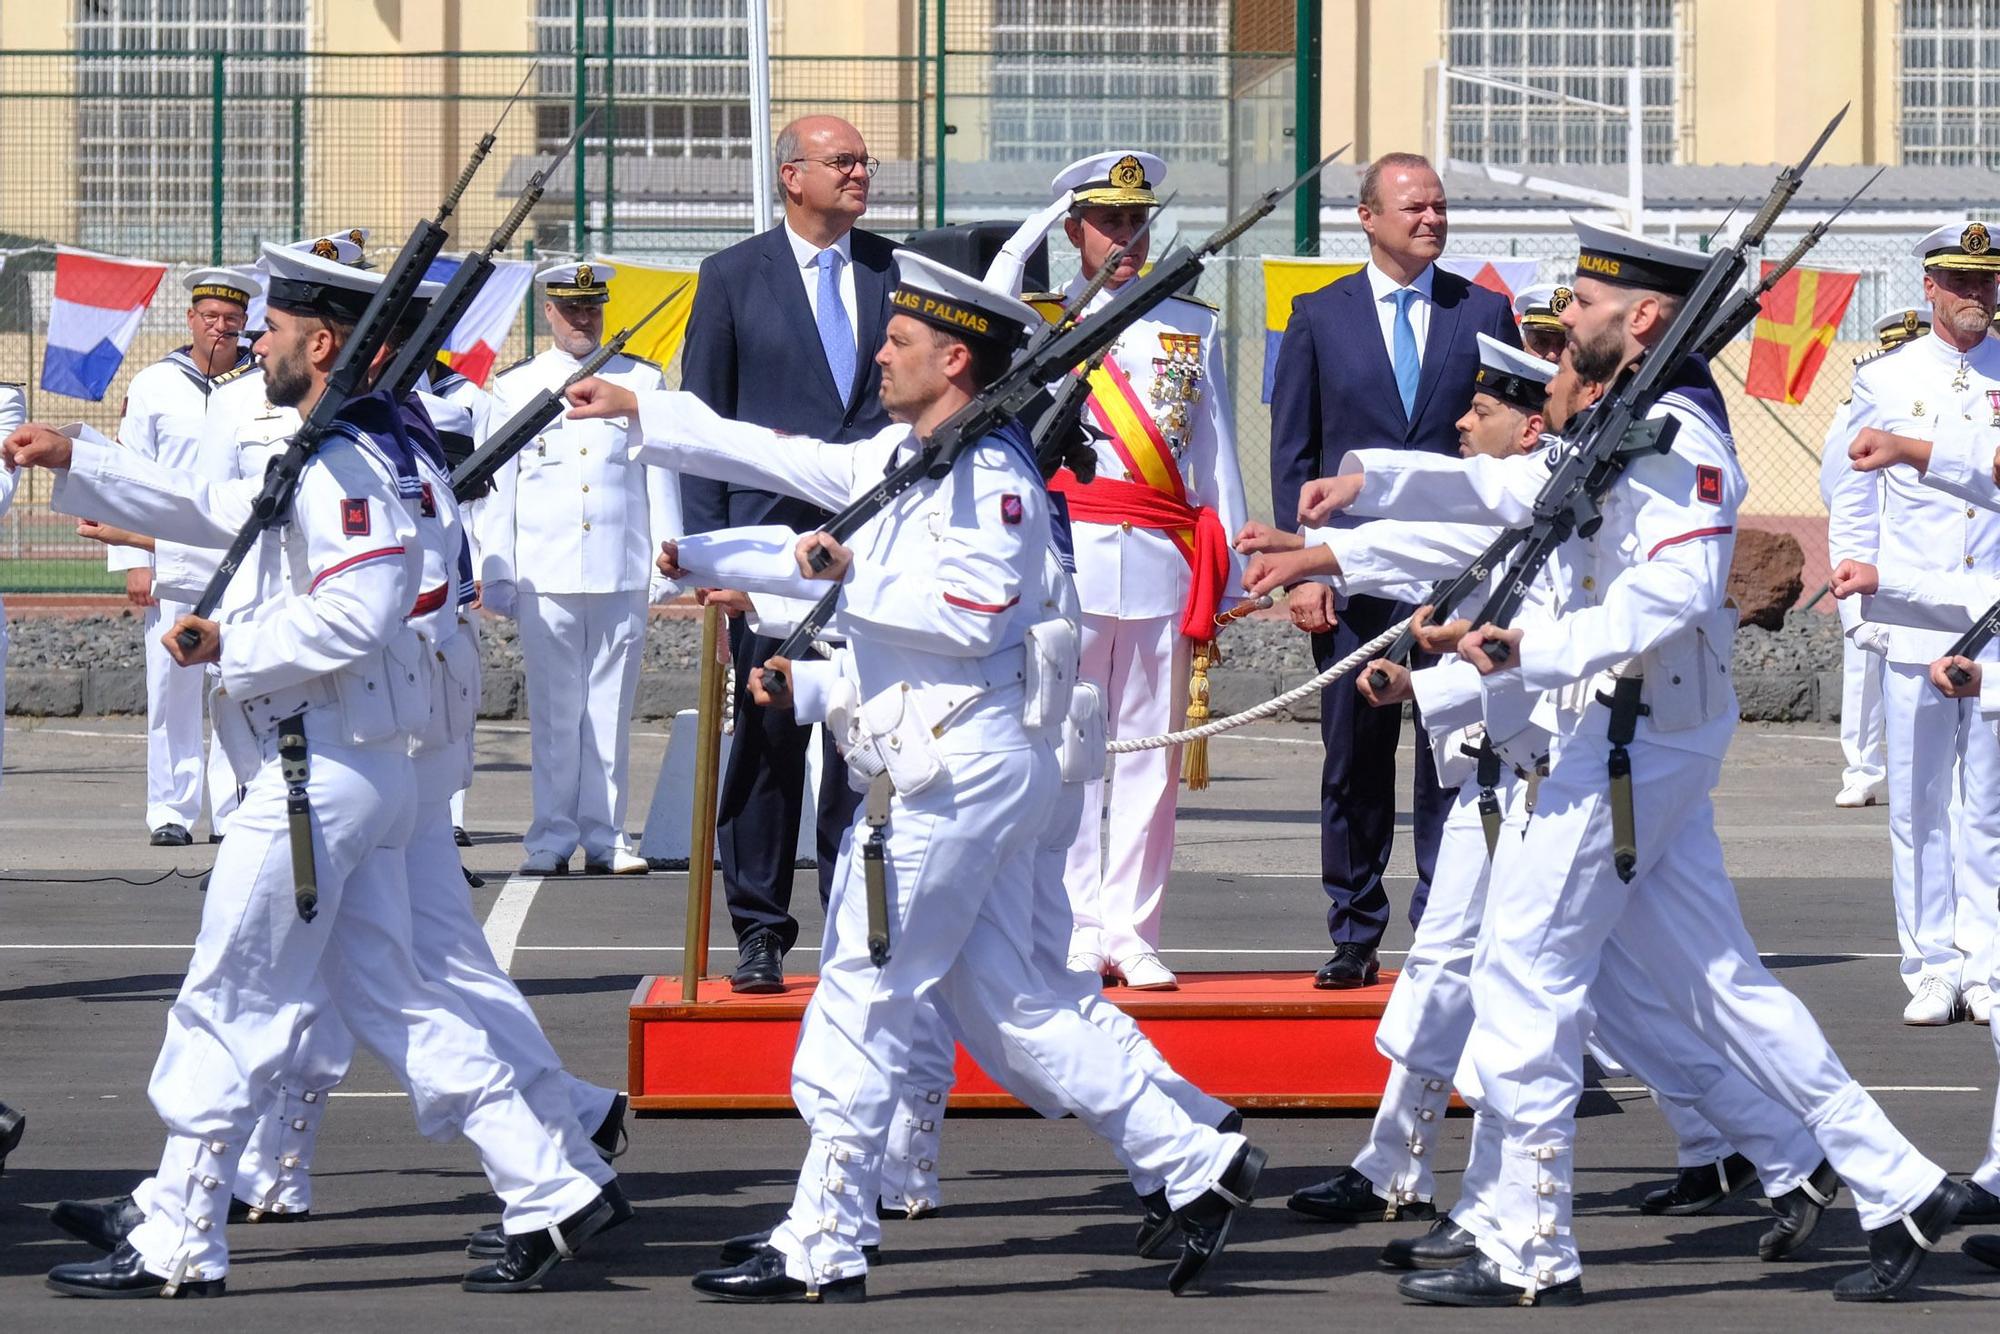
[[1176, 388]]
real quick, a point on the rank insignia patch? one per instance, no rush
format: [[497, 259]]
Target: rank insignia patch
[[429, 501], [1010, 509], [1708, 484], [354, 517]]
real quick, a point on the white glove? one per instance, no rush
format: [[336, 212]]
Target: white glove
[[498, 597], [661, 590], [1870, 637]]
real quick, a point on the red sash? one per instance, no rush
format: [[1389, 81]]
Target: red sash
[[1110, 500]]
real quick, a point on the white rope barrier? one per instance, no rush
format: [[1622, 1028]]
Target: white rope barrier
[[1368, 652]]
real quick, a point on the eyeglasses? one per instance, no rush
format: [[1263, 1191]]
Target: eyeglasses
[[226, 319], [844, 163]]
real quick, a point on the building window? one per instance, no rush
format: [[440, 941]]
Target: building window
[[1949, 82], [1579, 48], [682, 83], [144, 164], [1072, 77]]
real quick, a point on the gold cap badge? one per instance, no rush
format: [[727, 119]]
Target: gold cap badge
[[1127, 174], [584, 276], [1974, 239], [1559, 300], [357, 236], [1910, 321], [326, 249]]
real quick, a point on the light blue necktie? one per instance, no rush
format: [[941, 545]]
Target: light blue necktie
[[836, 335], [1408, 368]]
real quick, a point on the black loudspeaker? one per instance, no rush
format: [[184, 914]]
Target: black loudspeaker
[[970, 247]]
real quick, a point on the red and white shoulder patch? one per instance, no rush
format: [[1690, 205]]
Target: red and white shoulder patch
[[354, 518], [1010, 509], [1708, 484]]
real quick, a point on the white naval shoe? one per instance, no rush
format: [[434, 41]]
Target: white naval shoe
[[1978, 1000], [1853, 796], [619, 862], [1084, 961], [1145, 972], [544, 863], [1935, 1003]]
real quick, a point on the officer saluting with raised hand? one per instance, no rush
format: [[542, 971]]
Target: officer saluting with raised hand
[[568, 550]]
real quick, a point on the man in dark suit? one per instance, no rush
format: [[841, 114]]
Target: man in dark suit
[[1383, 358], [783, 334]]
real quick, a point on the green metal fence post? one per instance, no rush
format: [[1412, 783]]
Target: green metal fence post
[[580, 222], [1305, 115], [528, 308], [298, 166], [610, 122], [923, 91], [942, 128], [217, 75]]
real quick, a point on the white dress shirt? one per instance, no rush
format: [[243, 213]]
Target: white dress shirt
[[1385, 288], [807, 255]]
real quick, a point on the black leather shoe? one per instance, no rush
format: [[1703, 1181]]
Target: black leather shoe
[[760, 965], [171, 836], [240, 1212], [1156, 1229], [738, 1249], [1205, 1223], [475, 881], [104, 1224], [1445, 1246], [13, 1125], [122, 1274], [609, 1137], [490, 1241], [1352, 965], [1982, 1206], [1349, 1197], [762, 1278], [531, 1255], [1798, 1211], [460, 837], [1698, 1189], [1230, 1124], [1984, 1248], [1478, 1282], [1897, 1250]]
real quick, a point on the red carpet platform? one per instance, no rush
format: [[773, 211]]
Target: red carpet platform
[[1251, 1039]]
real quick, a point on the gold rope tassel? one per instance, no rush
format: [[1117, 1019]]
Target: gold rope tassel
[[1194, 755]]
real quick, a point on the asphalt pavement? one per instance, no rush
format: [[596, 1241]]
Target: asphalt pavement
[[95, 929]]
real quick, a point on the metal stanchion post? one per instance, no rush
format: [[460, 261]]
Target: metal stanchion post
[[707, 773]]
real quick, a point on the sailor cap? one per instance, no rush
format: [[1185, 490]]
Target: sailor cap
[[1518, 378], [1613, 256], [237, 285], [959, 304], [589, 280], [1959, 245], [348, 247], [1540, 306], [305, 283], [1120, 177]]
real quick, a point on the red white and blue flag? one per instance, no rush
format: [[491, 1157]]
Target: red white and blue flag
[[474, 345], [99, 301]]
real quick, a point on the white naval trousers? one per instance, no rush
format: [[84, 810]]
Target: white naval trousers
[[1944, 828], [1555, 904], [1429, 1016], [958, 861], [581, 652], [173, 725], [1117, 877], [1862, 742], [451, 950], [910, 1164], [250, 986]]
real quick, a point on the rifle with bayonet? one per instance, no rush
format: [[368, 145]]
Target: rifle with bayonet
[[420, 350], [1617, 431], [1736, 318], [470, 478], [348, 380]]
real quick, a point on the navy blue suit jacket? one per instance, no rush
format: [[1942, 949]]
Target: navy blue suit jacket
[[1335, 387], [753, 354]]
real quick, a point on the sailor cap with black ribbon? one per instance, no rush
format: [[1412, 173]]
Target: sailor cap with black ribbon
[[587, 281], [1540, 306], [1613, 256], [1960, 245], [1900, 326], [1118, 178], [237, 285], [348, 247], [1511, 375], [304, 283], [959, 304]]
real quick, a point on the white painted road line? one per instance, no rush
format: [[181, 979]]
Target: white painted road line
[[1871, 1088], [509, 915]]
